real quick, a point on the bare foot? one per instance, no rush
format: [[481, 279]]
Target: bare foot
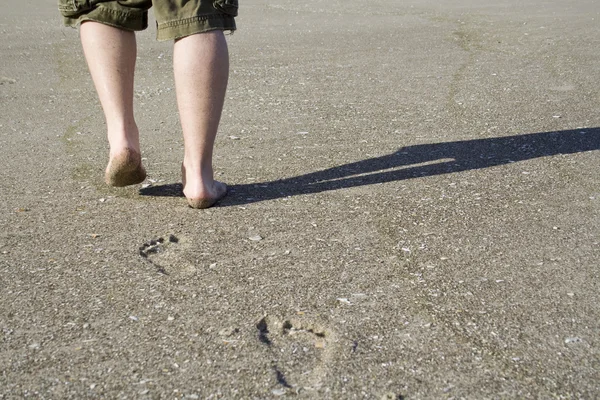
[[125, 169], [220, 190], [201, 195]]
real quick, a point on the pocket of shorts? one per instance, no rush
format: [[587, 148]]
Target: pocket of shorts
[[71, 8], [227, 6]]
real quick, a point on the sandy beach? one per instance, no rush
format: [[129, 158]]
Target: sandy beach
[[414, 210]]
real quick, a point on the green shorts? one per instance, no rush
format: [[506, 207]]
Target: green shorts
[[174, 18]]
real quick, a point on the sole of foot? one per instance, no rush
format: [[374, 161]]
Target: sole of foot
[[125, 169], [221, 190]]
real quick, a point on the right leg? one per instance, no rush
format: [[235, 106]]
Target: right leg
[[201, 67]]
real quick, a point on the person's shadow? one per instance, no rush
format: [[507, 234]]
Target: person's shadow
[[409, 162]]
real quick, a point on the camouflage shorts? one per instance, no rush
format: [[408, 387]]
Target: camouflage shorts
[[174, 18]]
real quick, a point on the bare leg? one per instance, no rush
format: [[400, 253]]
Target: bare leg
[[201, 67], [110, 53]]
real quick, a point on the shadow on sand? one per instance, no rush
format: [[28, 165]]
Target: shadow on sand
[[410, 162]]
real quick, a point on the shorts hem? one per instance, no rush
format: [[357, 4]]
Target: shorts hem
[[177, 29], [124, 20]]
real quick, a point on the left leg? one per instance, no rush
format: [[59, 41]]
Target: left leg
[[111, 53]]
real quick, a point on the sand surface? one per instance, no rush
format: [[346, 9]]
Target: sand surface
[[414, 210]]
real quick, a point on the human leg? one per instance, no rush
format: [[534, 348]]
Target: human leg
[[111, 53], [201, 68]]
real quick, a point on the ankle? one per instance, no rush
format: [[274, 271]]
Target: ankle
[[123, 148], [121, 139], [198, 170]]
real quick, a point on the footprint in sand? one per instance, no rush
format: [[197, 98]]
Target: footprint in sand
[[301, 351], [158, 252]]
